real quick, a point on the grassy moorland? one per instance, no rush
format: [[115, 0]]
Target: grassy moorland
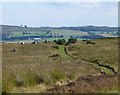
[[38, 67]]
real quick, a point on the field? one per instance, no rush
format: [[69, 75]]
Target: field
[[68, 33], [40, 67], [18, 33], [34, 33]]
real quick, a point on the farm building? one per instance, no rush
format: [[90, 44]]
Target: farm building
[[36, 40]]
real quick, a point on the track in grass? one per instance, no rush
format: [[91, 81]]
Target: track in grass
[[62, 52]]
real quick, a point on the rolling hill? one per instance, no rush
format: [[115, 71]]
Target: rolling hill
[[14, 33]]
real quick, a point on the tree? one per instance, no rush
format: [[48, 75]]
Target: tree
[[61, 41], [21, 25], [61, 36], [50, 33], [72, 40], [25, 26], [24, 33], [54, 41]]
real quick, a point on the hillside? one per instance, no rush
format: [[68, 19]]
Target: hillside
[[14, 33], [36, 68]]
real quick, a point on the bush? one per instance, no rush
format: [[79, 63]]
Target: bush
[[61, 41], [72, 40], [54, 41]]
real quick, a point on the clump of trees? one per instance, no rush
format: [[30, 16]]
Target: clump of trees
[[63, 42], [72, 40], [60, 41]]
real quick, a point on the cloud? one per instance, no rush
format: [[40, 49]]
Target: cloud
[[60, 0], [60, 13]]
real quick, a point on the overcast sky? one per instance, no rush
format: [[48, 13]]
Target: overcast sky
[[60, 13]]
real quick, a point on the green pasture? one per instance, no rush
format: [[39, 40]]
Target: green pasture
[[17, 34], [67, 33]]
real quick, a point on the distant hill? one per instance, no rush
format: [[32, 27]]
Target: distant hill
[[92, 28], [21, 33], [8, 28]]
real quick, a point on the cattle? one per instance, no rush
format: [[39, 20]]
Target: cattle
[[22, 43], [84, 40], [34, 42]]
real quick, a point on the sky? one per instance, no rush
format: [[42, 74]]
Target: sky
[[36, 14]]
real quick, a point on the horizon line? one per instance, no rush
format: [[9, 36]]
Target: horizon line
[[58, 26]]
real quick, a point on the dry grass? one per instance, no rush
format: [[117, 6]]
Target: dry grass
[[105, 51], [31, 64]]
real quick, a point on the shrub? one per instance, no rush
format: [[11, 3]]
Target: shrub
[[61, 41], [72, 40], [54, 41]]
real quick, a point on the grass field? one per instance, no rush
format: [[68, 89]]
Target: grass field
[[34, 33], [104, 50], [68, 33], [35, 67]]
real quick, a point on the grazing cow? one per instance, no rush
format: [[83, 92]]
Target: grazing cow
[[22, 42], [83, 40], [34, 42]]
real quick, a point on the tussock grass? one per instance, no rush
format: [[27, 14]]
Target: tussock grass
[[31, 65], [58, 75], [105, 51]]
